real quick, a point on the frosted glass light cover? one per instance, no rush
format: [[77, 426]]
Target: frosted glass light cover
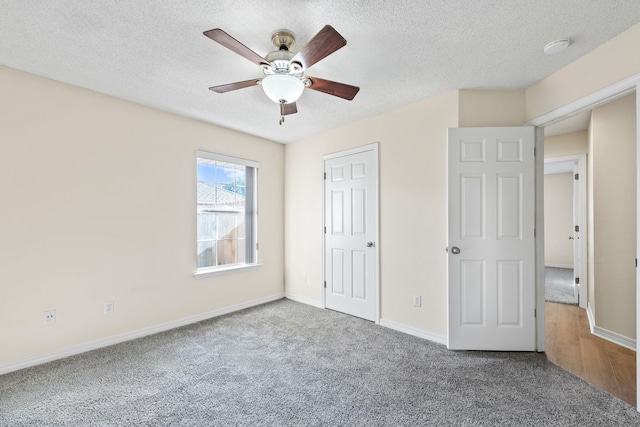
[[280, 87]]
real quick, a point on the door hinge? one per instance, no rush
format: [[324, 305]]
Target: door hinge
[[534, 232], [257, 246], [535, 313], [325, 230], [576, 176], [325, 283], [577, 280], [325, 175], [577, 228]]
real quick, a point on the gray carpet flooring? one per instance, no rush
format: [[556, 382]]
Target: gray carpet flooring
[[286, 363], [558, 285]]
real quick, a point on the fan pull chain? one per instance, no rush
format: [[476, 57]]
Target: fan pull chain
[[281, 111]]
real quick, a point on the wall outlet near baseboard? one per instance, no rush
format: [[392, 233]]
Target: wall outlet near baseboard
[[417, 301], [108, 307], [50, 317]]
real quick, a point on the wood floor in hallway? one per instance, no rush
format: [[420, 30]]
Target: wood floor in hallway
[[571, 345]]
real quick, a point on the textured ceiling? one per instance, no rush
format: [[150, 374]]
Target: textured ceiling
[[153, 52]]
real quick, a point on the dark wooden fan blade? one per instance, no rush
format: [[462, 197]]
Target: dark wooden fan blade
[[340, 90], [286, 109], [234, 86], [320, 46], [217, 35]]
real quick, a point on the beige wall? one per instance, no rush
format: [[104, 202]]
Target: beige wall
[[412, 200], [412, 209], [613, 61], [558, 220], [568, 144], [480, 108], [98, 203], [613, 149]]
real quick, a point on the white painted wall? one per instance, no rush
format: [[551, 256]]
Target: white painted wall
[[98, 203], [558, 220]]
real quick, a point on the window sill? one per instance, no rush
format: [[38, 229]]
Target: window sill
[[219, 271]]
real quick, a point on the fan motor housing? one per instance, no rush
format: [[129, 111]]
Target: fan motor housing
[[283, 39]]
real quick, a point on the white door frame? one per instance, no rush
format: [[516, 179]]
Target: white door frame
[[376, 193], [589, 102], [579, 162]]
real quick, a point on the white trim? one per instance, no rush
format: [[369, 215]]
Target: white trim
[[128, 336], [550, 264], [589, 102], [219, 271], [615, 338], [591, 318], [605, 334], [541, 325], [637, 235], [303, 300], [439, 339], [364, 148], [356, 150], [228, 159]]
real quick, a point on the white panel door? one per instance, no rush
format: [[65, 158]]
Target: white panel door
[[350, 232], [491, 243]]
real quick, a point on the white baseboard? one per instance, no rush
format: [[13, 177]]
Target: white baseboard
[[558, 265], [128, 336], [440, 339], [605, 334], [303, 300]]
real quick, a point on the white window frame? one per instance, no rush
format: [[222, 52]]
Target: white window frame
[[252, 226]]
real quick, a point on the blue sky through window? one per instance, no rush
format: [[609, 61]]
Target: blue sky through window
[[218, 175]]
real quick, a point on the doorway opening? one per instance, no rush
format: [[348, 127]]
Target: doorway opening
[[587, 348], [565, 212]]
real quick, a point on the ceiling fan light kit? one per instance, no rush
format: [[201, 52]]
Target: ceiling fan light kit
[[284, 80], [282, 88]]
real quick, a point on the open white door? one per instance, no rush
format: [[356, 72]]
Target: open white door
[[577, 232], [350, 204], [491, 226]]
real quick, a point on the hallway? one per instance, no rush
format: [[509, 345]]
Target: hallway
[[571, 345]]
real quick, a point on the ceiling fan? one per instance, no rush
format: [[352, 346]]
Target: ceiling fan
[[284, 79]]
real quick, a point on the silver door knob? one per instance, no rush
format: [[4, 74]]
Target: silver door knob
[[570, 237], [370, 244], [455, 250]]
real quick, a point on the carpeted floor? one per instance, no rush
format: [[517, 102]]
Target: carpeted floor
[[558, 285], [286, 363]]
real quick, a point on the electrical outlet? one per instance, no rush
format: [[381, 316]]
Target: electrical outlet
[[417, 301], [108, 307], [49, 317]]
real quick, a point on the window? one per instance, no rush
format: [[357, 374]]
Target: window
[[226, 209]]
